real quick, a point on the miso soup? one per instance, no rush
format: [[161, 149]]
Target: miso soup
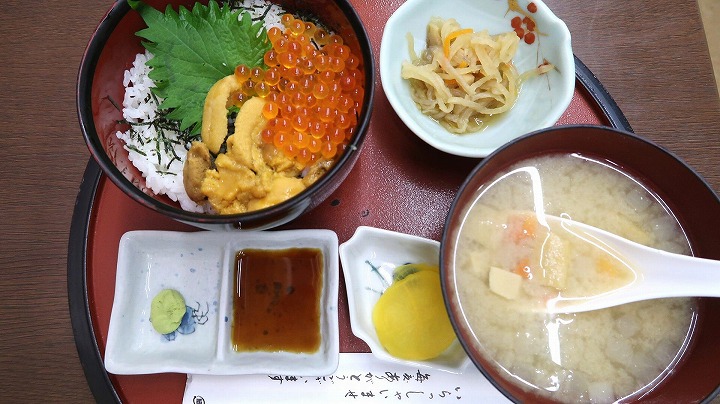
[[506, 263]]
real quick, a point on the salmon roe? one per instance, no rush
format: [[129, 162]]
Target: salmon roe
[[313, 88]]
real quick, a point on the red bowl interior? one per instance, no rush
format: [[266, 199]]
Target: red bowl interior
[[688, 196], [112, 50]]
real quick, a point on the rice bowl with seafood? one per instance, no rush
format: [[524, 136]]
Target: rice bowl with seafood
[[311, 136]]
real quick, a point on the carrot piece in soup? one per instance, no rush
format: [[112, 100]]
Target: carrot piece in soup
[[523, 269]]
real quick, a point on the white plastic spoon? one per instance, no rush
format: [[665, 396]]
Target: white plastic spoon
[[658, 274]]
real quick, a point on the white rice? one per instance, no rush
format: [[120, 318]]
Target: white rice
[[163, 175], [162, 171]]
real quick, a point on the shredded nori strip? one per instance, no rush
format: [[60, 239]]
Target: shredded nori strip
[[136, 150], [237, 5]]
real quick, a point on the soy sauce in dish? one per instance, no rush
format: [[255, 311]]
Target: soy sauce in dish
[[276, 300]]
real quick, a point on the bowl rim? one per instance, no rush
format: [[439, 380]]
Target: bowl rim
[[455, 207], [296, 205], [568, 80]]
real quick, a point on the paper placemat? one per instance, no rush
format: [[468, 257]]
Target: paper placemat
[[360, 378]]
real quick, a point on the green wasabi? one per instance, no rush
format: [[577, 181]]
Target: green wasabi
[[167, 310]]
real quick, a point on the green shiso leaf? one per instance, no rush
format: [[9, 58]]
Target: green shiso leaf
[[193, 50]]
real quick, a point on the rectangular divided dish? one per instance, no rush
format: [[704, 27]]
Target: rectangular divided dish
[[201, 266]]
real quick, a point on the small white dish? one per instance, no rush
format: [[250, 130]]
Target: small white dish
[[542, 100], [368, 259], [200, 266]]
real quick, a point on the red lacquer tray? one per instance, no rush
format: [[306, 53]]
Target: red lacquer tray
[[399, 183]]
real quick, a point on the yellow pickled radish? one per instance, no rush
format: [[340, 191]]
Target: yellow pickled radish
[[410, 317]]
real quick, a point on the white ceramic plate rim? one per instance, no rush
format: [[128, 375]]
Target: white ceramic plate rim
[[526, 116]]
